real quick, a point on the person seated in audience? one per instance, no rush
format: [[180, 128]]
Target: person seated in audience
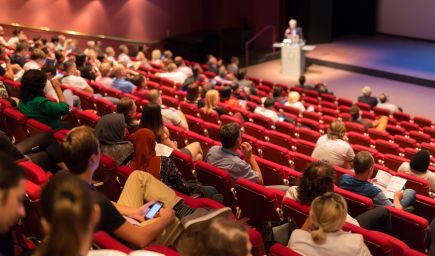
[[227, 98], [120, 82], [128, 108], [227, 158], [153, 120], [302, 80], [110, 56], [380, 124], [322, 233], [268, 109], [123, 56], [111, 131], [211, 103], [3, 41], [246, 85], [384, 103], [321, 87], [59, 41], [333, 147], [82, 153], [19, 56], [69, 215], [18, 35], [104, 77], [90, 46], [37, 60], [192, 95], [319, 178], [293, 101], [72, 77], [182, 67], [167, 55], [232, 236], [222, 77], [34, 104], [277, 95], [213, 64], [196, 77], [237, 91], [364, 165], [8, 70], [140, 56], [367, 97], [156, 57], [173, 74], [12, 195], [233, 67], [71, 99], [170, 115], [42, 149], [419, 167]]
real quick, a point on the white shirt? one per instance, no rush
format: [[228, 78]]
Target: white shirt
[[105, 81], [31, 65], [336, 152], [292, 193], [49, 91], [391, 107], [124, 58], [267, 113], [337, 243], [75, 81], [3, 41], [176, 77], [13, 41], [170, 115], [428, 175], [185, 70], [297, 105]]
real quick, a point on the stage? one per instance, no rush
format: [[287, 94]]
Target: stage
[[404, 69]]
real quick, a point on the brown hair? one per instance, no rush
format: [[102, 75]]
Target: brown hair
[[336, 129], [37, 54]]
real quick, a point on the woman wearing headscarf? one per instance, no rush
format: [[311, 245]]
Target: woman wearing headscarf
[[161, 167], [110, 131]]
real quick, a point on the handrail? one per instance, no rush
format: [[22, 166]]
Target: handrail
[[252, 39]]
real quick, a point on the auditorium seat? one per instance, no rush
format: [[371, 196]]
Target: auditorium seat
[[196, 125], [225, 119], [356, 204], [280, 139], [261, 120], [393, 161], [354, 127], [105, 178], [408, 227], [104, 106], [87, 118], [378, 243], [34, 127], [405, 142], [31, 223], [251, 197], [212, 117], [400, 116], [381, 111], [297, 212], [209, 175], [177, 134], [105, 241], [281, 250], [184, 164], [395, 130], [153, 85], [213, 131], [430, 131], [170, 101], [357, 138], [376, 134], [418, 184], [311, 124], [35, 173], [329, 112], [188, 109], [328, 97], [363, 106], [301, 161], [285, 128], [344, 102], [205, 142], [256, 145], [290, 110], [276, 154], [180, 95], [422, 122], [388, 148], [255, 130], [420, 137], [368, 115], [166, 82], [328, 105], [429, 147], [307, 134], [408, 126], [86, 99], [311, 115], [311, 93], [424, 207], [14, 124], [305, 147]]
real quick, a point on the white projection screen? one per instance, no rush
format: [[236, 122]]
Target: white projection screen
[[411, 18]]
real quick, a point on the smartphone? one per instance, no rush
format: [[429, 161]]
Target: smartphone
[[155, 208], [281, 118]]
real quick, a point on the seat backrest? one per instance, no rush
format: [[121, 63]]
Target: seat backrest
[[281, 250], [430, 131], [312, 115], [273, 173], [206, 143], [400, 116], [212, 117], [420, 137], [170, 101], [285, 128], [329, 105], [104, 106], [395, 130], [209, 175], [409, 126], [14, 124], [329, 112], [34, 127], [105, 241], [290, 110], [276, 154], [358, 138], [35, 173], [87, 118], [296, 211], [355, 127], [255, 130], [177, 134], [301, 161], [376, 134], [184, 164], [189, 109], [344, 102], [405, 142], [420, 185], [107, 173], [196, 125], [424, 207], [311, 124], [386, 147], [422, 122], [378, 243], [31, 223], [381, 111], [408, 227], [86, 99], [356, 204], [251, 197], [305, 147], [225, 119], [363, 106], [261, 120], [307, 134], [280, 139], [213, 131], [393, 161]]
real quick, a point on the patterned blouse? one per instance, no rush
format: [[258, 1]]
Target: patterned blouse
[[172, 177]]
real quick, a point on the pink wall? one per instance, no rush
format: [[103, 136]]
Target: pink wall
[[143, 20]]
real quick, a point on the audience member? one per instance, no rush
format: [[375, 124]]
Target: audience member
[[380, 124], [222, 237], [140, 56], [110, 56], [111, 131], [293, 101], [120, 82], [37, 60], [227, 98], [170, 115], [419, 167], [141, 191], [384, 103], [213, 64], [18, 34], [152, 119], [196, 77], [367, 98], [174, 74], [302, 81], [128, 108], [227, 158], [104, 77], [71, 99], [322, 232], [364, 165], [192, 95], [73, 79], [19, 56], [268, 109], [123, 56], [3, 41], [34, 104], [70, 214], [246, 85], [233, 67], [211, 103], [12, 195], [277, 95], [8, 70], [156, 57], [333, 148], [222, 77], [182, 67]]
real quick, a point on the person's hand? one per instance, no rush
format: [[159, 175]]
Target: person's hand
[[246, 149], [398, 195], [139, 213], [166, 213]]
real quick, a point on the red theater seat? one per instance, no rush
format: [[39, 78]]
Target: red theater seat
[[34, 127], [184, 164], [14, 124], [422, 122], [87, 118], [104, 106]]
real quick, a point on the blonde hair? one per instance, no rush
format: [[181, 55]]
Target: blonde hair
[[105, 69], [336, 129], [211, 100], [327, 214], [118, 70], [156, 54], [293, 97]]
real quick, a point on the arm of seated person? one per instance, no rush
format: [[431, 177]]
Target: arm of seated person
[[88, 89], [183, 122], [381, 199], [143, 236]]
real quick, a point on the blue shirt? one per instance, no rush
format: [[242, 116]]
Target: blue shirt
[[230, 161], [364, 188], [123, 85]]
